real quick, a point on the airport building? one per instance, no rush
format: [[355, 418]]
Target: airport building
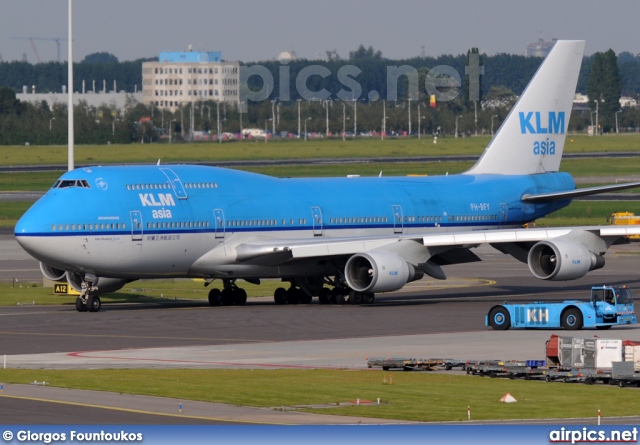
[[91, 98], [181, 78]]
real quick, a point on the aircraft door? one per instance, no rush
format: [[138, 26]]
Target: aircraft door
[[398, 224], [176, 183], [136, 225], [316, 216], [504, 211], [219, 223]]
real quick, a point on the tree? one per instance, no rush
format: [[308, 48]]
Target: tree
[[100, 58], [333, 56], [604, 87], [8, 102], [365, 53]]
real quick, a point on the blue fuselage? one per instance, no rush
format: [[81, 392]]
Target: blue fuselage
[[165, 205]]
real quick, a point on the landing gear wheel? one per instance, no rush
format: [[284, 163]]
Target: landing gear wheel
[[355, 297], [80, 306], [215, 297], [239, 297], [305, 298], [368, 298], [499, 318], [571, 319], [280, 295], [293, 296], [324, 297], [340, 298], [93, 303], [227, 297]]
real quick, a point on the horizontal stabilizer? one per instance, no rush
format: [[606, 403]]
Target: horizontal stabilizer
[[570, 194]]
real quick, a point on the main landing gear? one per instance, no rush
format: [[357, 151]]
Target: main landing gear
[[340, 294], [293, 295], [89, 300], [230, 295], [299, 292]]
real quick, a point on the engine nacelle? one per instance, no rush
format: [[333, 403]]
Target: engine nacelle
[[105, 285], [562, 260], [51, 272], [378, 272]]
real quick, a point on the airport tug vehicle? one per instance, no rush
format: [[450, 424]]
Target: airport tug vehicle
[[608, 306]]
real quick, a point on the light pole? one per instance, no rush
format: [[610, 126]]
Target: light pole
[[419, 121], [344, 120], [240, 113], [181, 120], [305, 127], [278, 108], [597, 108], [384, 119], [492, 117], [475, 113], [592, 128], [617, 127], [171, 130], [218, 121], [299, 100], [409, 102], [456, 135], [326, 104], [113, 127], [71, 139], [355, 118], [50, 127], [273, 117], [266, 135]]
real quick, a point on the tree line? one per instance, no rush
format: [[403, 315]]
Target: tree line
[[603, 75]]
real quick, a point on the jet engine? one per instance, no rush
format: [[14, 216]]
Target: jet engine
[[105, 285], [562, 260], [51, 272], [378, 272]]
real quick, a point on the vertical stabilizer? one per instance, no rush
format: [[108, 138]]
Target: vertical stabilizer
[[531, 139]]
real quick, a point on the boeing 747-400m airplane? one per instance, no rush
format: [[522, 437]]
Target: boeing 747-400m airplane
[[105, 226]]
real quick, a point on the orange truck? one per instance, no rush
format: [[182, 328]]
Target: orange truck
[[625, 219]]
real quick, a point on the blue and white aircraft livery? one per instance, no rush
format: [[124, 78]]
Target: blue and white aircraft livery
[[359, 236]]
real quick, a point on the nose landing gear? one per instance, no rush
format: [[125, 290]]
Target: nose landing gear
[[89, 300]]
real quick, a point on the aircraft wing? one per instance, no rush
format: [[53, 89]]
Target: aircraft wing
[[284, 250], [587, 191]]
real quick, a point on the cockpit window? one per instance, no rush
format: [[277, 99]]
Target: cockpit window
[[69, 183]]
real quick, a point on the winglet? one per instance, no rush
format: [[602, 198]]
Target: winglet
[[531, 139]]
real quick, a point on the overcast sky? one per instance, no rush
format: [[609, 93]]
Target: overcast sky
[[253, 30]]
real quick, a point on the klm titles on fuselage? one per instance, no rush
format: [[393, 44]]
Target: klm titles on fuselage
[[160, 200], [532, 123]]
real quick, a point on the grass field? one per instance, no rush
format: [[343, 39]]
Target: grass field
[[414, 396], [287, 149]]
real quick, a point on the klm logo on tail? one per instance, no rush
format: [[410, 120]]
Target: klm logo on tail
[[532, 123]]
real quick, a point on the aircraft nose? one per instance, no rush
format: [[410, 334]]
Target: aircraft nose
[[27, 228]]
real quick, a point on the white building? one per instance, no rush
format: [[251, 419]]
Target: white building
[[95, 99], [626, 101], [180, 78]]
